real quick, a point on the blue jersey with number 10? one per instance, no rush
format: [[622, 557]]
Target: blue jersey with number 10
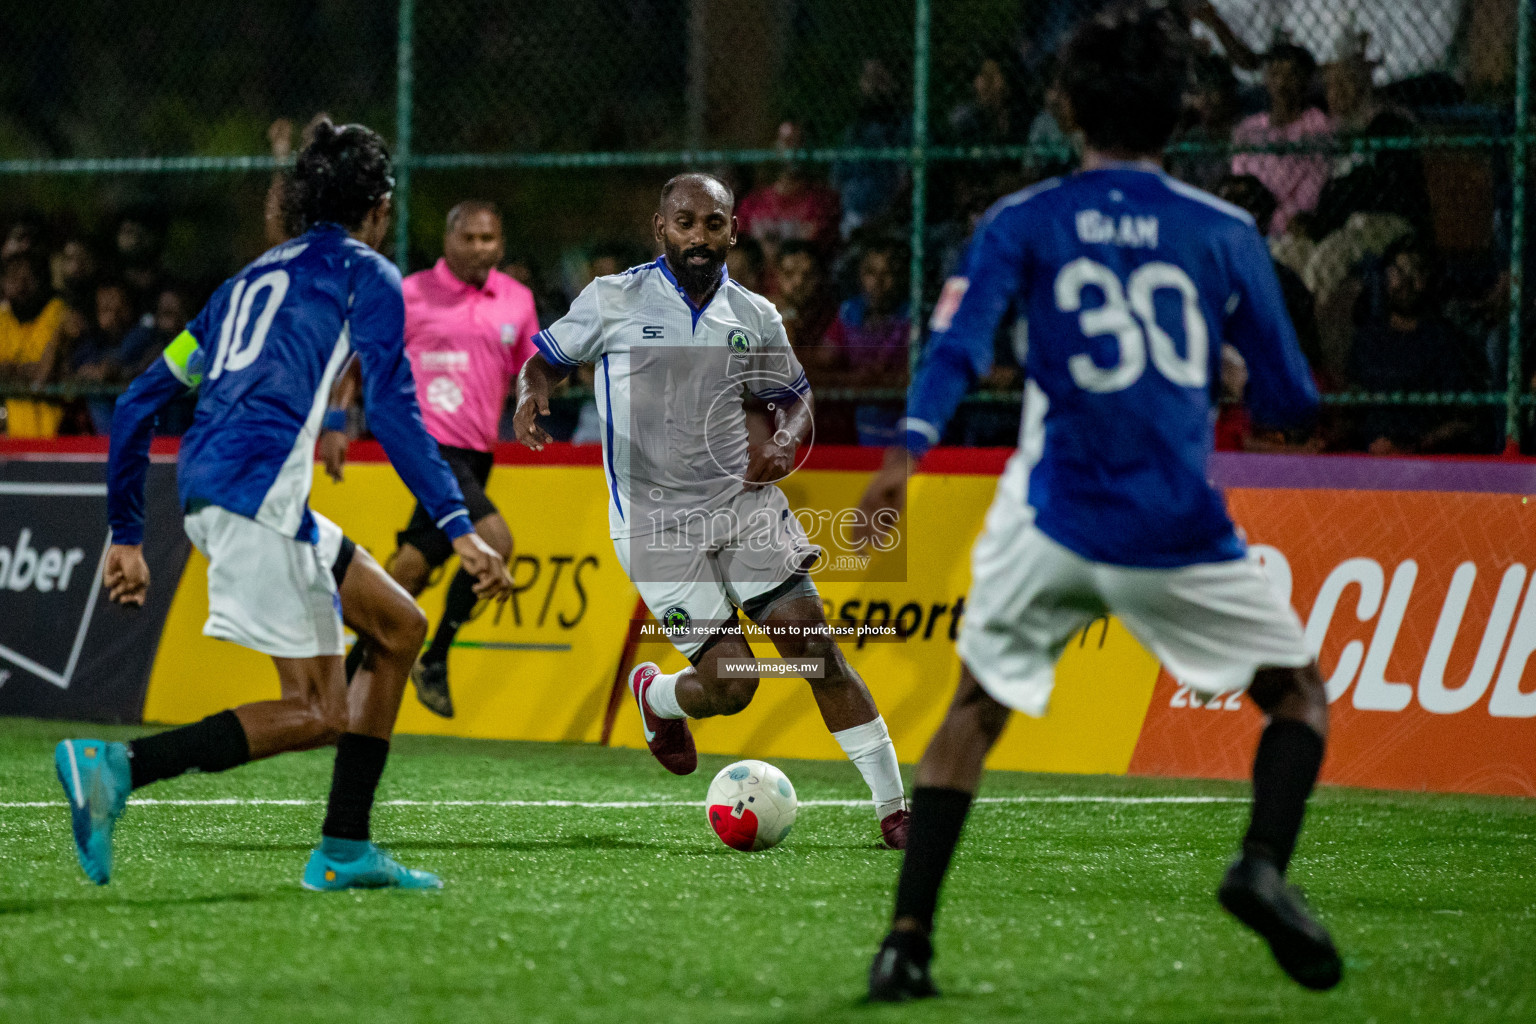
[[273, 338], [1128, 282]]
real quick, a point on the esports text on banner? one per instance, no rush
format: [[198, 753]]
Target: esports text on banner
[[544, 670], [1103, 682], [540, 668]]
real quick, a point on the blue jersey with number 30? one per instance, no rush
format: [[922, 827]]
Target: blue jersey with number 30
[[1129, 282], [273, 339]]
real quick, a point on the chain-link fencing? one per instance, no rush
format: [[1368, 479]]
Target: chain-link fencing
[[1382, 142]]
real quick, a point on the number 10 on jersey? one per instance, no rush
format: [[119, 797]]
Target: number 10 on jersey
[[236, 352]]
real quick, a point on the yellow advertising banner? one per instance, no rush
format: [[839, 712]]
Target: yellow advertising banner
[[1409, 575], [540, 671], [1102, 692], [545, 668]]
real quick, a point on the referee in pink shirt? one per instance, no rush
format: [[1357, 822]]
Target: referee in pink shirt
[[468, 330]]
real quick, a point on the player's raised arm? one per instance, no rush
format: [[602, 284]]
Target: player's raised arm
[[967, 316], [774, 458], [574, 339], [791, 407], [1281, 392], [177, 371], [377, 325], [959, 352], [535, 382]]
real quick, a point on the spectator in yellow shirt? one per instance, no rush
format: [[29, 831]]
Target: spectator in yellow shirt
[[31, 330]]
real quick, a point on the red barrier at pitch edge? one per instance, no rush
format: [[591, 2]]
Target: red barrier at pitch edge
[[1229, 469], [832, 457]]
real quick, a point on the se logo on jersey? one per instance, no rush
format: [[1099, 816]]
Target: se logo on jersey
[[739, 342]]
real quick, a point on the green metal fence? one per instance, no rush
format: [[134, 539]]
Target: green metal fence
[[588, 102]]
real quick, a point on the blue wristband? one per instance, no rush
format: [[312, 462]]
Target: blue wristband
[[335, 419]]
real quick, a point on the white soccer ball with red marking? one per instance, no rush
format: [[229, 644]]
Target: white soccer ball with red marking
[[751, 805]]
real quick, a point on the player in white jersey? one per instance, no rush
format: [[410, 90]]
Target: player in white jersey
[[1130, 282], [695, 517]]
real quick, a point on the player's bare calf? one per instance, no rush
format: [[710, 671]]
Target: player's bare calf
[[798, 627]]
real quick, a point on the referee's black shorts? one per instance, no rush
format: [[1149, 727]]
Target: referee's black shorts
[[472, 469]]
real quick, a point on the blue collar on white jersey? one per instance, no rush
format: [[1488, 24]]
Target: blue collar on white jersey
[[697, 311]]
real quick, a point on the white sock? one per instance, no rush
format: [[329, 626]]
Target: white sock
[[870, 749], [662, 697]]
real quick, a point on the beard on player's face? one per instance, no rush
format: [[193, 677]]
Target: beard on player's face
[[697, 267]]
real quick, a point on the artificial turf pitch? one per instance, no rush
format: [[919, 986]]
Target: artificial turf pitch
[[1066, 909]]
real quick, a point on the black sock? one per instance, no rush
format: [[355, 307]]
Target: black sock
[[359, 763], [355, 658], [1284, 769], [938, 815], [215, 744], [458, 608]]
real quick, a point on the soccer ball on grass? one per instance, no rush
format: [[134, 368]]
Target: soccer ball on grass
[[751, 805]]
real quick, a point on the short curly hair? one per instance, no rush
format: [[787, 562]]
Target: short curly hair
[[339, 176], [1124, 73]]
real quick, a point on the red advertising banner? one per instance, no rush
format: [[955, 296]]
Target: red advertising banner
[[1414, 581]]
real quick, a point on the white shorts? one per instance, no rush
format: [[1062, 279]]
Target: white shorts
[[1211, 625], [694, 578], [329, 544], [271, 593]]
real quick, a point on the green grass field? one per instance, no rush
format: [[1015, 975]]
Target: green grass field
[[1057, 910]]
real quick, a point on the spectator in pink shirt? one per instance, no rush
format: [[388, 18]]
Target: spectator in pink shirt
[[468, 330], [793, 207], [1296, 179]]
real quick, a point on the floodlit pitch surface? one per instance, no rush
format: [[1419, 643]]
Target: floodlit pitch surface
[[1083, 899]]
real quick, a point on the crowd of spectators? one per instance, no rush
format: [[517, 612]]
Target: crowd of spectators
[[1379, 304], [80, 317]]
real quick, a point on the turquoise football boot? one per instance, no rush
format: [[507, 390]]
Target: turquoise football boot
[[358, 864], [96, 781]]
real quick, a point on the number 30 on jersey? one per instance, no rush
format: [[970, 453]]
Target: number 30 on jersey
[[1128, 313]]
